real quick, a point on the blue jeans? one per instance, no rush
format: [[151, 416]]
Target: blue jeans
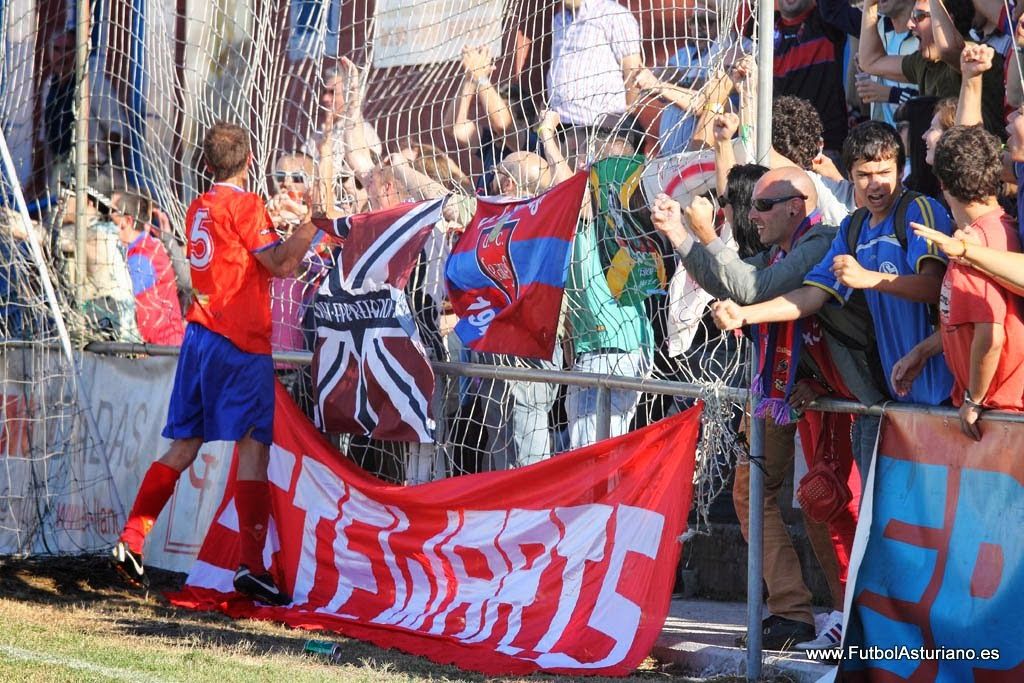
[[581, 402], [515, 414], [865, 434]]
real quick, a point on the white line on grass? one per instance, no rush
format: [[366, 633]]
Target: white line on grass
[[75, 663]]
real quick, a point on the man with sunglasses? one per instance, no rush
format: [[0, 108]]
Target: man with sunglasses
[[788, 223], [935, 67]]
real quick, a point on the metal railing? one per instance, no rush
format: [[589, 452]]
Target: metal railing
[[581, 379]]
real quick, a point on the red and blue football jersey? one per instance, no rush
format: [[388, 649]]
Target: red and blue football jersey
[[227, 227]]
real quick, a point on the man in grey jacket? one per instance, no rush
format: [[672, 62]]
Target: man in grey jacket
[[720, 270], [785, 213]]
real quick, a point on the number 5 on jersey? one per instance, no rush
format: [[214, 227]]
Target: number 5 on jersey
[[200, 243]]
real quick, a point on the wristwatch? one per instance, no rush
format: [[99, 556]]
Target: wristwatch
[[970, 401]]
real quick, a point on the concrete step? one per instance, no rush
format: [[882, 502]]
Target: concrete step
[[699, 636]]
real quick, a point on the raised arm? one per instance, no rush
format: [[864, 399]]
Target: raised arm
[[723, 129], [711, 103], [871, 53], [744, 76], [794, 305], [462, 127], [552, 152], [948, 40], [327, 177], [357, 147], [974, 61], [478, 66]]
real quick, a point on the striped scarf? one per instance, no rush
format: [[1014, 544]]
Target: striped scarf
[[778, 352]]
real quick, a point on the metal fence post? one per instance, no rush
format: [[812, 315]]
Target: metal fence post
[[755, 535], [755, 544], [82, 31], [604, 412]]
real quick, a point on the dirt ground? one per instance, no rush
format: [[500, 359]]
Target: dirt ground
[[72, 619]]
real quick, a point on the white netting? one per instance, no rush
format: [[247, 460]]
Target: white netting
[[389, 101], [54, 469]]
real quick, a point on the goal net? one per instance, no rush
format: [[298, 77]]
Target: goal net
[[446, 93]]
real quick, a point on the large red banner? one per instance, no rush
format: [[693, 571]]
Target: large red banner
[[565, 566]]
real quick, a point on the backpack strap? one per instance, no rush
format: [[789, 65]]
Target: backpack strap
[[857, 220], [899, 223]]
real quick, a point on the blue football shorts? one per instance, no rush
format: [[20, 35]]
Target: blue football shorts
[[220, 392]]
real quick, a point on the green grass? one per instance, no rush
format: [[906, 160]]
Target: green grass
[[69, 619]]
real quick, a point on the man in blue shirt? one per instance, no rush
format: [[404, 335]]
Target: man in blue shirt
[[898, 282]]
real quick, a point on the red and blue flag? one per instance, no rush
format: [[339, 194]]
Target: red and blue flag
[[506, 276]]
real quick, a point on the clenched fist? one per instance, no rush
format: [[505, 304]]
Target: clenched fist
[[700, 219], [724, 127], [851, 274], [667, 218], [728, 315]]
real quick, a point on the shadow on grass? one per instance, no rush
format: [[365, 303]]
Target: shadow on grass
[[89, 582]]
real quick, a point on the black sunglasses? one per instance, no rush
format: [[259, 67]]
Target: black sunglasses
[[294, 176], [763, 204], [919, 15]]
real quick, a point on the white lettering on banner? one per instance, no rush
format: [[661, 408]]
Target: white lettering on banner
[[429, 594], [355, 570], [484, 566], [281, 467], [403, 595], [319, 493], [638, 531], [470, 585], [356, 311], [577, 521], [524, 526]]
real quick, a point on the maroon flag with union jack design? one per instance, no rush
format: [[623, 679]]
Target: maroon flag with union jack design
[[371, 375]]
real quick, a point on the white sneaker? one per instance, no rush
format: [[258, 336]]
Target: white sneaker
[[830, 632]]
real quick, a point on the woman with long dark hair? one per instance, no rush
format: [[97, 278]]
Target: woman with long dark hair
[[735, 204]]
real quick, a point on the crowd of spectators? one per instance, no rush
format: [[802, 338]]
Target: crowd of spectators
[[873, 257]]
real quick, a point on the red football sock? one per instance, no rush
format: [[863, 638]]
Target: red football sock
[[252, 501], [154, 492]]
